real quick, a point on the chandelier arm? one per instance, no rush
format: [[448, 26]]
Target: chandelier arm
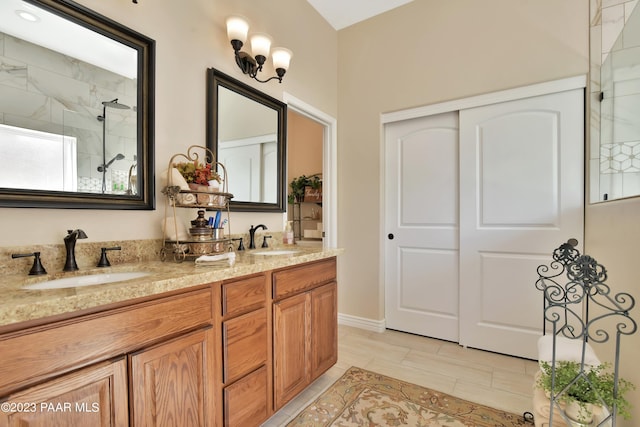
[[269, 79], [246, 63], [252, 66]]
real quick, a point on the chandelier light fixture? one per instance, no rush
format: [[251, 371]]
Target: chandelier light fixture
[[237, 30]]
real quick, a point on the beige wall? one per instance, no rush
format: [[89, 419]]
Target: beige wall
[[423, 53], [612, 236], [191, 37]]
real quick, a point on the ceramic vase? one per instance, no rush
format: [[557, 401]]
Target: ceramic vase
[[581, 414]]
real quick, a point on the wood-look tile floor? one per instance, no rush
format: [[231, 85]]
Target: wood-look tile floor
[[487, 378]]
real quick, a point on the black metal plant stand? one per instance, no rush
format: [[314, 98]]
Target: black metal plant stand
[[579, 305]]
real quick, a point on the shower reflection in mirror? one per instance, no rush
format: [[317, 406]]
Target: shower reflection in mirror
[[53, 91], [615, 161], [114, 104]]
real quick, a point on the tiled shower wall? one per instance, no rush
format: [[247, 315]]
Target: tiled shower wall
[[44, 90], [614, 160]]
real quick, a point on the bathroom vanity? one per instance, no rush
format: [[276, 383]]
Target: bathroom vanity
[[208, 346]]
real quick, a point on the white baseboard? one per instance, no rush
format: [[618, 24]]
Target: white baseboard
[[361, 322]]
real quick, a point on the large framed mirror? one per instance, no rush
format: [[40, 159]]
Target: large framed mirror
[[76, 109], [246, 131]]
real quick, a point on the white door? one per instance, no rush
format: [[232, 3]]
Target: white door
[[243, 165], [421, 216], [521, 196]]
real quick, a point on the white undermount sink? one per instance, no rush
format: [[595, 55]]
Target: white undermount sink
[[277, 252], [87, 280]]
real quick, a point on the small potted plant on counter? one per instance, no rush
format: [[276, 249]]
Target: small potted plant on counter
[[583, 389]]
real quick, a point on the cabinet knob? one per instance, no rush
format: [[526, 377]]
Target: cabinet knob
[[390, 236]]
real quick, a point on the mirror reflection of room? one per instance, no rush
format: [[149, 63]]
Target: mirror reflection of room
[[69, 108], [304, 137], [248, 147]]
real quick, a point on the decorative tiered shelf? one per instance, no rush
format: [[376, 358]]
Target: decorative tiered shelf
[[580, 312], [209, 241]]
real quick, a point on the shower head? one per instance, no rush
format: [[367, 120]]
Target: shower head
[[111, 104], [103, 168], [115, 104]]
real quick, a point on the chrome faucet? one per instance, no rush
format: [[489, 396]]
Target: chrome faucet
[[70, 246], [252, 235]]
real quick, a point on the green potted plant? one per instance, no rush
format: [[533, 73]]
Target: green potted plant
[[298, 185], [580, 389]]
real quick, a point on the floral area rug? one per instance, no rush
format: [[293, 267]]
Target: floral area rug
[[364, 398]]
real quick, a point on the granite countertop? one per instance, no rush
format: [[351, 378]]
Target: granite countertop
[[20, 305]]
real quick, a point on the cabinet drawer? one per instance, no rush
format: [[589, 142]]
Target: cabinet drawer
[[240, 295], [32, 356], [297, 279], [245, 402], [244, 344]]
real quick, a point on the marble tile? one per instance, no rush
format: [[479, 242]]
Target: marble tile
[[612, 25], [67, 66], [609, 3], [61, 88], [31, 105], [13, 73]]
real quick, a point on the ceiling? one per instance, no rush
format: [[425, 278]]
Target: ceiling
[[34, 24], [343, 13]]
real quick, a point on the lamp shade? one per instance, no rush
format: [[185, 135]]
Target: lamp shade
[[281, 58], [237, 28], [260, 45]]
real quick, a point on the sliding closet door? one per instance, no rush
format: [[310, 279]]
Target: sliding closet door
[[521, 195], [421, 223]]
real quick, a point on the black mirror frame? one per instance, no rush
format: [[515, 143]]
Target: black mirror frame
[[216, 79], [145, 129]]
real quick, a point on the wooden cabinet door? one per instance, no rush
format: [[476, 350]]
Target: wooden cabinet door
[[94, 396], [324, 328], [292, 344], [171, 383]]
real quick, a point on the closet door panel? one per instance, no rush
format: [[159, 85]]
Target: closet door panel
[[421, 213], [521, 195]]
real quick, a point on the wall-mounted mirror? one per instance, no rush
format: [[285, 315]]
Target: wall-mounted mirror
[[76, 109], [618, 151], [246, 130]]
